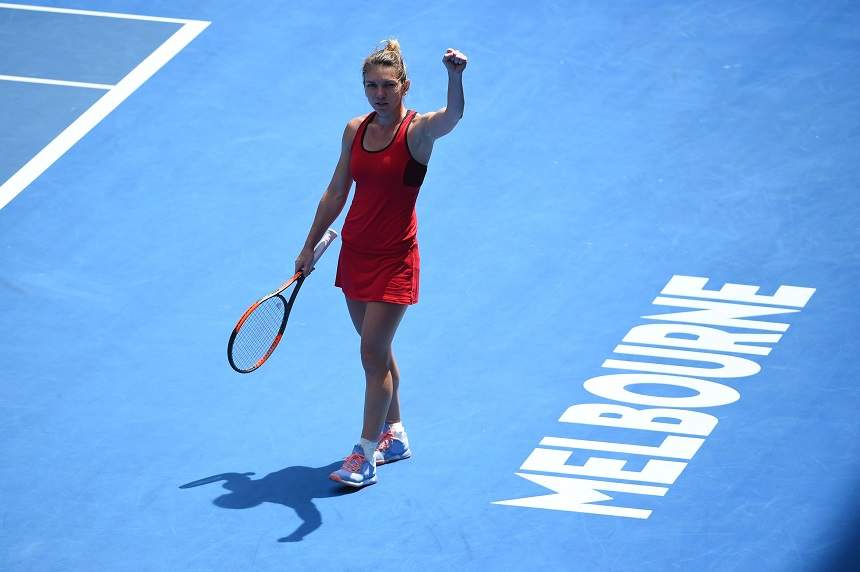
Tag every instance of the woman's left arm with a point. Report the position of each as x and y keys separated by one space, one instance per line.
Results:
x=442 y=122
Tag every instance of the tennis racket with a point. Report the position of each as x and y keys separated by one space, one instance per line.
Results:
x=261 y=327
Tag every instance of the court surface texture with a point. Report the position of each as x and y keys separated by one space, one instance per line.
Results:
x=638 y=307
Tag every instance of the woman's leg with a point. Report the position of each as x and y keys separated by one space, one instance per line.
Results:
x=357 y=310
x=377 y=332
x=393 y=415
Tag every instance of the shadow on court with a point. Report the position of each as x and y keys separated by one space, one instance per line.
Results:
x=294 y=487
x=844 y=552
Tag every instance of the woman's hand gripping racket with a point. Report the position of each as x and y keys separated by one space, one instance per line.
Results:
x=261 y=327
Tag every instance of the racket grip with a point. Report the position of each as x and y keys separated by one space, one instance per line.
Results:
x=324 y=242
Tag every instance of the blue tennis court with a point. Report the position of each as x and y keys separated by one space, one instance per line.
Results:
x=638 y=308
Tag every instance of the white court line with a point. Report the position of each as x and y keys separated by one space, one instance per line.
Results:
x=92 y=13
x=99 y=110
x=23 y=79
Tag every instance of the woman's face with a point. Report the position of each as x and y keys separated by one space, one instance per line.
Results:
x=382 y=88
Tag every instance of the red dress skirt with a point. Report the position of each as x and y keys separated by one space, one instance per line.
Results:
x=379 y=260
x=379 y=278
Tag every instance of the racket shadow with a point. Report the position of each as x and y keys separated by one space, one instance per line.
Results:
x=294 y=487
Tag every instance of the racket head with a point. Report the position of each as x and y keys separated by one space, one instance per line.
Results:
x=260 y=329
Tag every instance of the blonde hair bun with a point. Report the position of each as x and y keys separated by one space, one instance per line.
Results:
x=392 y=45
x=388 y=55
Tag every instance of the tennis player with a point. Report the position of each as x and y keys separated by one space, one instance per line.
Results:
x=386 y=153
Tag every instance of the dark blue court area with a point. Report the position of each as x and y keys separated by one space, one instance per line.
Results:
x=638 y=308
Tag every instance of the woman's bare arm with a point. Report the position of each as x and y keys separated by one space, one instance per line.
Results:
x=439 y=123
x=333 y=199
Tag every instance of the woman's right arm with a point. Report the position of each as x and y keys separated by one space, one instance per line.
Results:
x=332 y=202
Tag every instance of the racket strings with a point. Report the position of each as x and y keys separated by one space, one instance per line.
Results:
x=260 y=330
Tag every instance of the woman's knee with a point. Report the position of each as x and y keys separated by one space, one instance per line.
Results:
x=378 y=327
x=374 y=358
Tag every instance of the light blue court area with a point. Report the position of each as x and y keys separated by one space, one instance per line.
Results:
x=64 y=70
x=634 y=343
x=32 y=115
x=77 y=47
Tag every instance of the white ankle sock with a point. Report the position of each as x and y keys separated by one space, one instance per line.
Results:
x=368 y=447
x=396 y=428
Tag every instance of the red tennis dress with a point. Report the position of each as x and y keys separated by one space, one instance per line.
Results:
x=379 y=259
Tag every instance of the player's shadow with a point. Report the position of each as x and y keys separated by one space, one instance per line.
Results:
x=295 y=487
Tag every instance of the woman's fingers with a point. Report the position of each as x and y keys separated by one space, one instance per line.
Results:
x=304 y=263
x=454 y=57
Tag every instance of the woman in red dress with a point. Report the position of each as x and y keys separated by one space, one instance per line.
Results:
x=386 y=153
